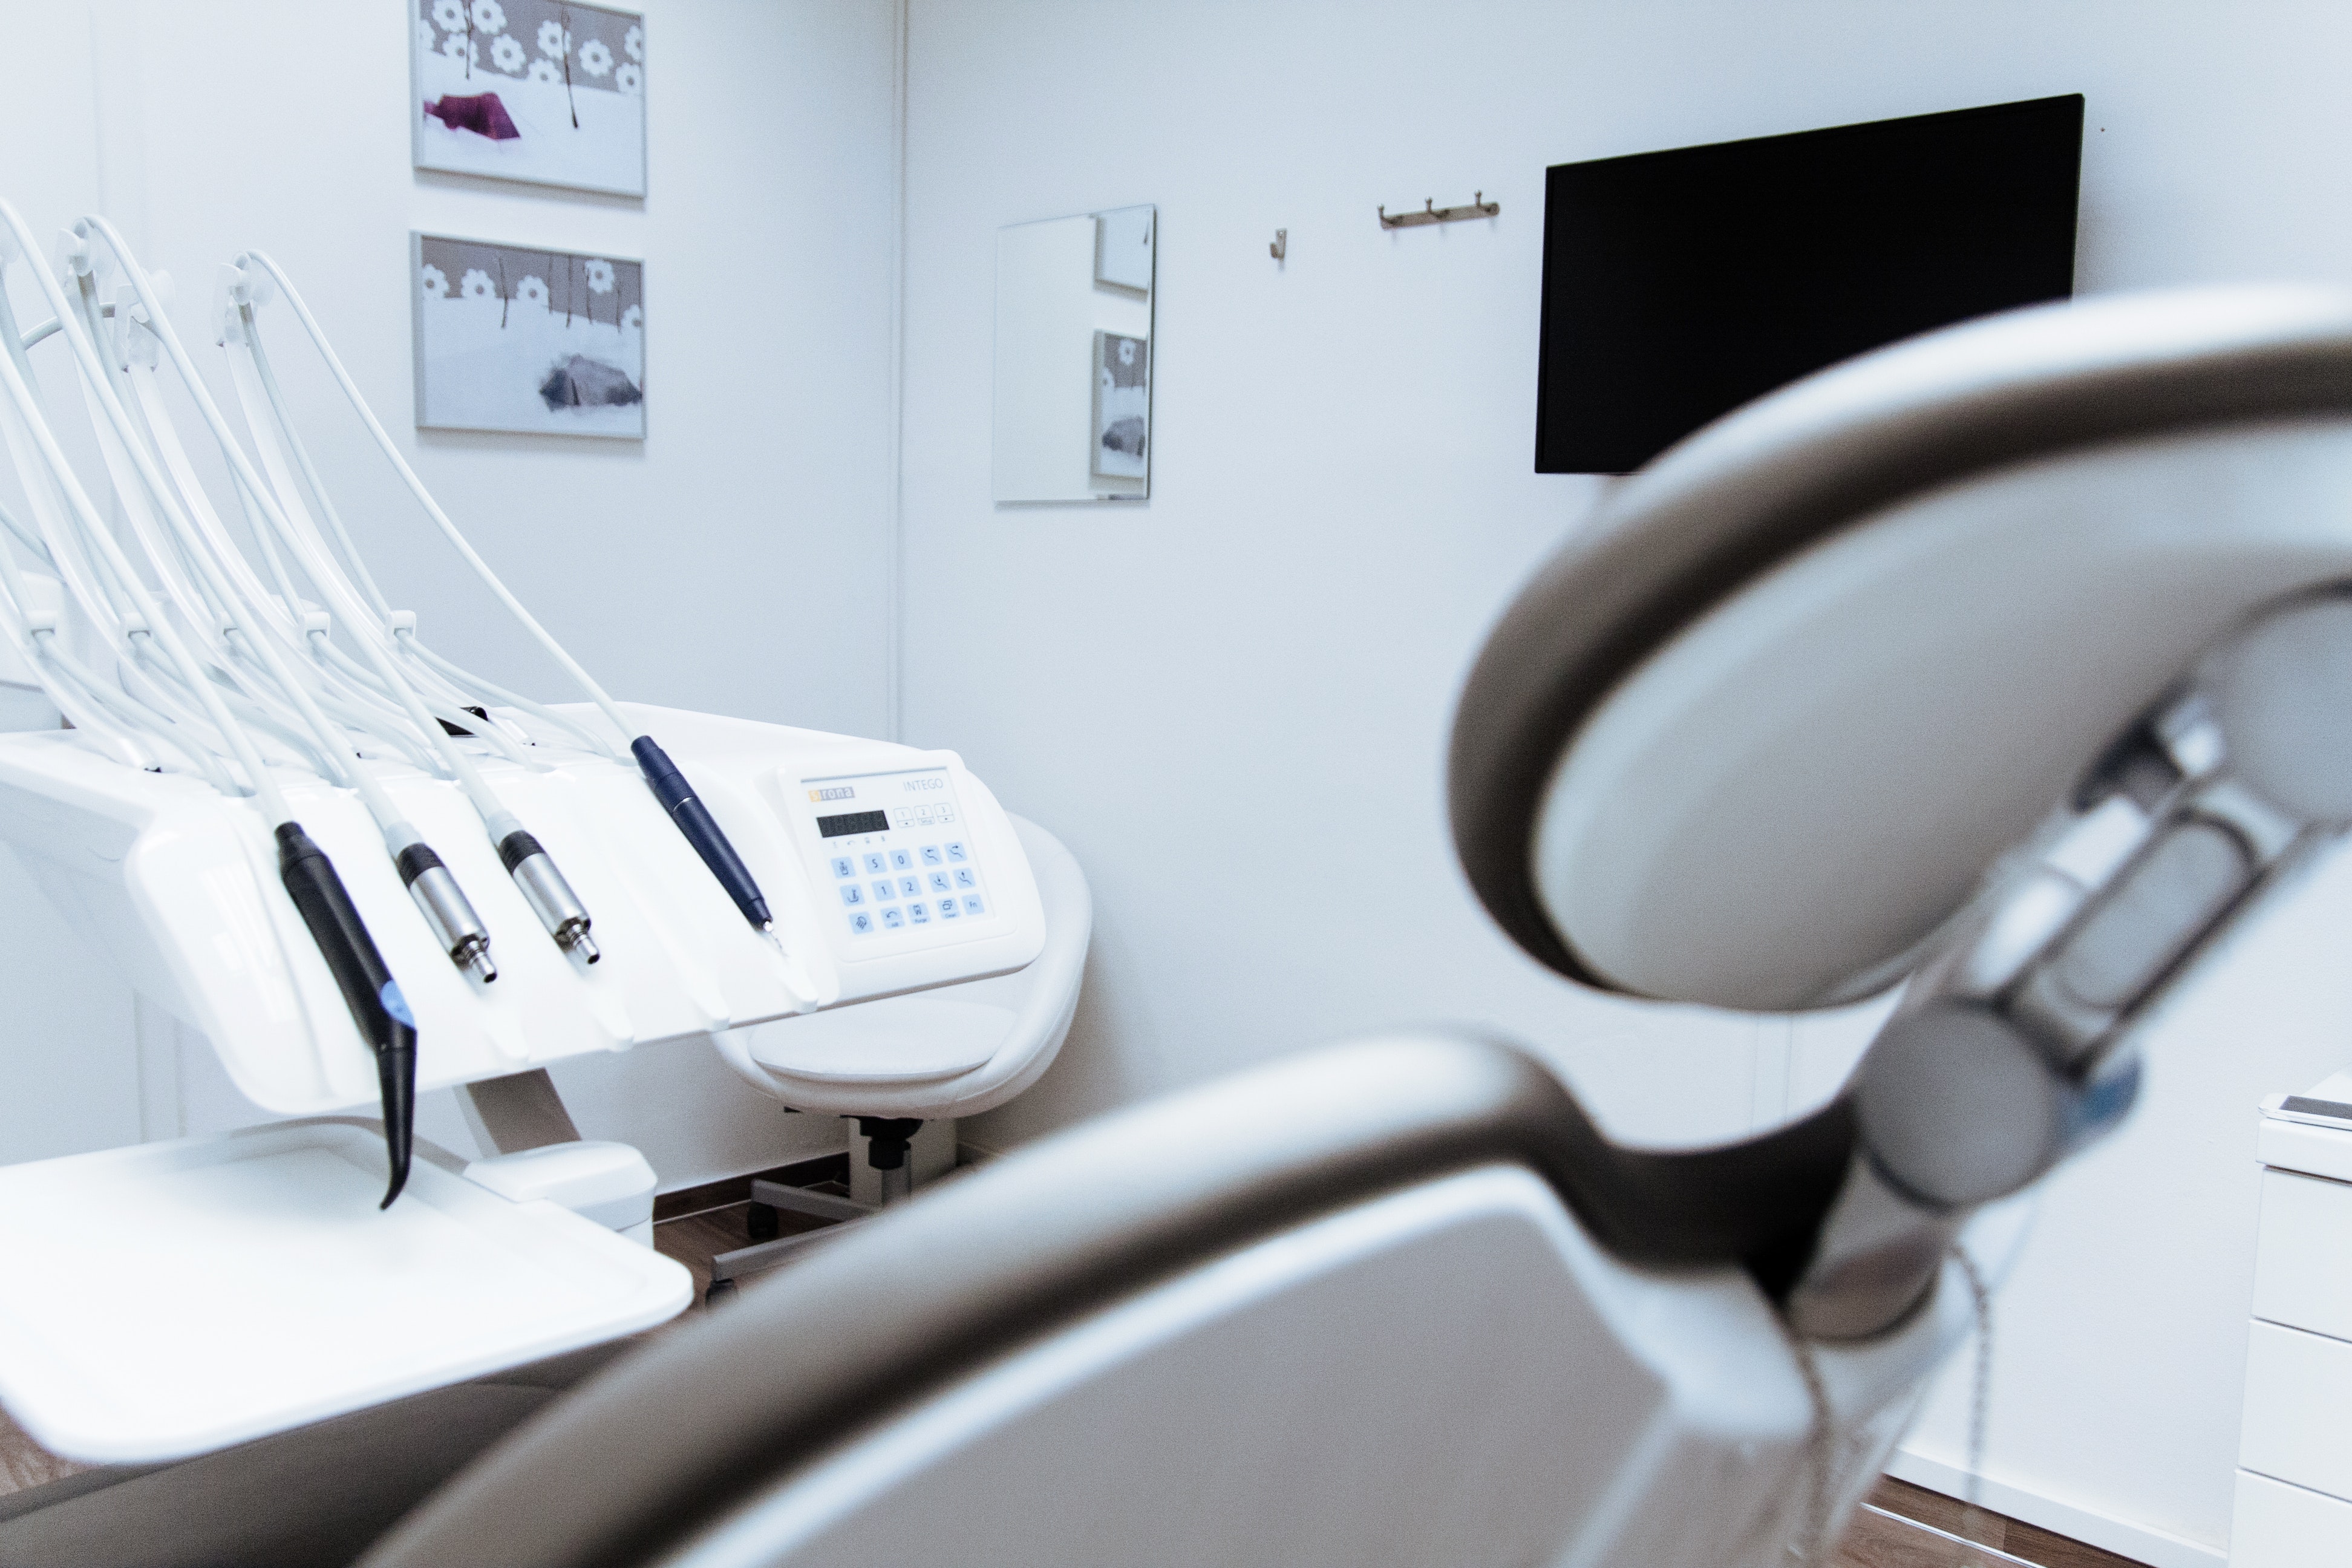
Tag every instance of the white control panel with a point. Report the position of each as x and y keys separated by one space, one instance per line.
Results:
x=902 y=865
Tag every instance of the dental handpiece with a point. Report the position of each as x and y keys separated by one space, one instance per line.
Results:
x=368 y=989
x=550 y=898
x=701 y=830
x=451 y=918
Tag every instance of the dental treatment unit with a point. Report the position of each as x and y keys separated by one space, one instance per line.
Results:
x=363 y=872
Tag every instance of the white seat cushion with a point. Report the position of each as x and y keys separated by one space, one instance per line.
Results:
x=900 y=1039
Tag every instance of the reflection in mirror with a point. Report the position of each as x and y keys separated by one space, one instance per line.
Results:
x=1073 y=356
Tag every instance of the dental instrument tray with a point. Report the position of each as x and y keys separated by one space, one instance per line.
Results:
x=177 y=884
x=290 y=1299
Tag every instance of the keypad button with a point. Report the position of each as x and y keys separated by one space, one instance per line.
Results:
x=900 y=860
x=964 y=878
x=862 y=923
x=891 y=919
x=972 y=905
x=930 y=853
x=884 y=892
x=955 y=850
x=938 y=882
x=908 y=887
x=851 y=893
x=844 y=867
x=875 y=863
x=919 y=913
x=947 y=910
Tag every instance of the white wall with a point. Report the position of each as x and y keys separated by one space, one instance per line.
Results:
x=737 y=561
x=1232 y=701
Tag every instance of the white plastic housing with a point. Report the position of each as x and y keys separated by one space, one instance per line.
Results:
x=180 y=886
x=291 y=1296
x=609 y=1183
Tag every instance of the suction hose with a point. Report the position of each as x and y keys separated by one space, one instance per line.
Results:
x=368 y=989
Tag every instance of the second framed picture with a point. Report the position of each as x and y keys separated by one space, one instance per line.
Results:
x=1122 y=406
x=538 y=91
x=549 y=342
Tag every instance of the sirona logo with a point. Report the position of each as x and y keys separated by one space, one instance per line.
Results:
x=838 y=791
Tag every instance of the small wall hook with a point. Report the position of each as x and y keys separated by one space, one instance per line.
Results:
x=1281 y=246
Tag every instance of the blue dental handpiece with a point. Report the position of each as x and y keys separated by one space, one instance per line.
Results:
x=701 y=830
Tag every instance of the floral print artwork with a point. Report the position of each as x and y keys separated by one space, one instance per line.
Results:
x=527 y=340
x=566 y=86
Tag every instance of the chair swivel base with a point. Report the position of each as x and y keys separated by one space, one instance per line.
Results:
x=770 y=1250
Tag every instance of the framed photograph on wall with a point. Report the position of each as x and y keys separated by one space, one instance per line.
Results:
x=536 y=342
x=1123 y=248
x=1122 y=406
x=541 y=90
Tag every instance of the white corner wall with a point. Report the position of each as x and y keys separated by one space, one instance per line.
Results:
x=1232 y=701
x=737 y=561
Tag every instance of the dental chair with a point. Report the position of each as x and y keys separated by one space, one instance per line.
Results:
x=1800 y=720
x=898 y=1063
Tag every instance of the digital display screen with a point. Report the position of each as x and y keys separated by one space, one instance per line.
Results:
x=853 y=822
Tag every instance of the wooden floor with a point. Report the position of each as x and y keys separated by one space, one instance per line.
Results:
x=695 y=1239
x=1902 y=1526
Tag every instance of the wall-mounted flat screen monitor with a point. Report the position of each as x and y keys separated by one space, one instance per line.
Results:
x=1679 y=285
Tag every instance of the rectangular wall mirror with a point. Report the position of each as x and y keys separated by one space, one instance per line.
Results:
x=1073 y=354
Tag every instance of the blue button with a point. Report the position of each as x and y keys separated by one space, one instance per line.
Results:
x=892 y=917
x=852 y=894
x=843 y=866
x=919 y=913
x=971 y=904
x=908 y=887
x=901 y=859
x=955 y=850
x=930 y=853
x=947 y=910
x=964 y=878
x=862 y=923
x=938 y=882
x=873 y=863
x=884 y=892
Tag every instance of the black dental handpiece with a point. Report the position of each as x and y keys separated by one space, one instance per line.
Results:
x=701 y=830
x=368 y=987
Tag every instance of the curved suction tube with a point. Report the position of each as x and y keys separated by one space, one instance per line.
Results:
x=368 y=989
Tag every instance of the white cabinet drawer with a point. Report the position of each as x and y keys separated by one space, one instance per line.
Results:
x=2280 y=1526
x=2303 y=1268
x=2298 y=1423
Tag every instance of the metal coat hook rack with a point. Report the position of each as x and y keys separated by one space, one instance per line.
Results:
x=1431 y=213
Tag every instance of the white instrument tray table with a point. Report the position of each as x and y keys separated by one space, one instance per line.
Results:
x=170 y=1299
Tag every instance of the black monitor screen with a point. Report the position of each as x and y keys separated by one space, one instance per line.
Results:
x=1677 y=286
